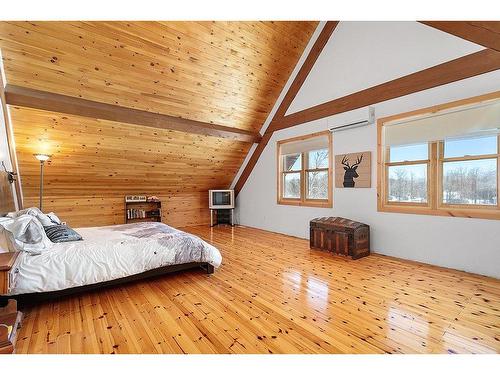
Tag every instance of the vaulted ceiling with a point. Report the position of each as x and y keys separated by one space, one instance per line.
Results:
x=227 y=73
x=223 y=73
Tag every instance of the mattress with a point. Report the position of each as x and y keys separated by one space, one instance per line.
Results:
x=108 y=253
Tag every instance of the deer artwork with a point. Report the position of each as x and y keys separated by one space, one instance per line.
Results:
x=350 y=171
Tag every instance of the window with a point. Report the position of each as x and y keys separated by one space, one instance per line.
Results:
x=407 y=168
x=442 y=160
x=304 y=170
x=292 y=169
x=469 y=170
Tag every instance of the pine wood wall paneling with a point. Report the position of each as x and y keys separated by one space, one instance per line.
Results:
x=178 y=210
x=225 y=78
x=96 y=163
x=227 y=73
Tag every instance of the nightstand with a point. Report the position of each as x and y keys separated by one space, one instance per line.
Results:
x=7 y=260
x=10 y=321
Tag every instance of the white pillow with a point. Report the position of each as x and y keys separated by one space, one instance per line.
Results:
x=5 y=238
x=53 y=217
x=34 y=211
x=27 y=234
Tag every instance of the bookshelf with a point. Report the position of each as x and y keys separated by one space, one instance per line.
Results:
x=142 y=211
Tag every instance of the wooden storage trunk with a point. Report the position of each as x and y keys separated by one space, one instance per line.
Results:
x=340 y=236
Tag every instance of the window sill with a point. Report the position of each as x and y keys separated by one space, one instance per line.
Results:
x=491 y=213
x=307 y=203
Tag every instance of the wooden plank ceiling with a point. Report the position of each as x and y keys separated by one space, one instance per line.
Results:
x=223 y=73
x=227 y=73
x=96 y=162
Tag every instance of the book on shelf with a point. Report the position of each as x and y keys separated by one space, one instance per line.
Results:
x=133 y=213
x=137 y=209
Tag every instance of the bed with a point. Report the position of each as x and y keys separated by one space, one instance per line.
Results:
x=108 y=253
x=108 y=256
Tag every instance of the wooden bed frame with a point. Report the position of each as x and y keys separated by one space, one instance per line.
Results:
x=32 y=298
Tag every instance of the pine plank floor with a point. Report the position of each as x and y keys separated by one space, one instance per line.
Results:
x=273 y=294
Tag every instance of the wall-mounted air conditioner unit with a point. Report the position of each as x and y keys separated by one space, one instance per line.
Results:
x=352 y=125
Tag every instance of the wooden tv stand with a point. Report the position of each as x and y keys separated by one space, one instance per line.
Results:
x=217 y=216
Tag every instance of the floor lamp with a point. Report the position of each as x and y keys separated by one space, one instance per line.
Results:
x=42 y=158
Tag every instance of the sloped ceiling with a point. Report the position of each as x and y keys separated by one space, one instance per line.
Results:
x=226 y=73
x=95 y=163
x=384 y=51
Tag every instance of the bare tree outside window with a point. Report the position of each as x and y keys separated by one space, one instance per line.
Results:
x=305 y=177
x=408 y=183
x=291 y=185
x=407 y=173
x=292 y=165
x=470 y=182
x=441 y=160
x=317 y=174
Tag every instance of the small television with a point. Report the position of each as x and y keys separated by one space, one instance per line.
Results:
x=220 y=199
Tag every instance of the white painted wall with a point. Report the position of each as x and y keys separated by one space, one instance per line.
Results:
x=467 y=244
x=4 y=148
x=365 y=54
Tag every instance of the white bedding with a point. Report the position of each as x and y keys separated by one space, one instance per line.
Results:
x=108 y=253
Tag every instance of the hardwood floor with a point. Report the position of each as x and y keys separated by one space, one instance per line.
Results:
x=273 y=294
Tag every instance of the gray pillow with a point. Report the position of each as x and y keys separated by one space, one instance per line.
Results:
x=61 y=233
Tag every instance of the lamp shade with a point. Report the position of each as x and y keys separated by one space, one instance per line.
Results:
x=42 y=157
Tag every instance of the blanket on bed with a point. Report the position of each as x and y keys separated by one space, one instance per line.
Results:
x=108 y=253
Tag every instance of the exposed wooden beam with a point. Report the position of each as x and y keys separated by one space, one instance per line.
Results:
x=464 y=67
x=294 y=88
x=484 y=33
x=251 y=162
x=306 y=67
x=26 y=97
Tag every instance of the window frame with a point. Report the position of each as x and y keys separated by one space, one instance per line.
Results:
x=435 y=204
x=388 y=164
x=303 y=200
x=442 y=160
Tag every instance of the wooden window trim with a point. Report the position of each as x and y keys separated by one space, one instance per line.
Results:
x=303 y=201
x=442 y=160
x=434 y=204
x=426 y=162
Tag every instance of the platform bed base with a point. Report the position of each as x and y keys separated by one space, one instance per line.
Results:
x=32 y=298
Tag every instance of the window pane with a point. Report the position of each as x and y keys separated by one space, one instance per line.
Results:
x=292 y=162
x=317 y=185
x=291 y=185
x=408 y=183
x=470 y=146
x=317 y=159
x=470 y=182
x=409 y=152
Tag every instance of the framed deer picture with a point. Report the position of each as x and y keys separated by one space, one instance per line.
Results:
x=353 y=170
